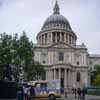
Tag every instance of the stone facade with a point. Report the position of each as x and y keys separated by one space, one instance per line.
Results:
x=57 y=49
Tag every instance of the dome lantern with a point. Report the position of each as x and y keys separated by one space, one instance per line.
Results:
x=56 y=8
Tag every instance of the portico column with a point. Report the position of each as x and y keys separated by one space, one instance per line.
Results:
x=40 y=40
x=65 y=78
x=54 y=73
x=56 y=37
x=68 y=78
x=59 y=73
x=71 y=77
x=68 y=38
x=47 y=74
x=71 y=40
x=60 y=36
x=51 y=37
x=65 y=37
x=51 y=72
x=44 y=38
x=47 y=39
x=60 y=76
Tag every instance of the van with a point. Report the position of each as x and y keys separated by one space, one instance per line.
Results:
x=47 y=89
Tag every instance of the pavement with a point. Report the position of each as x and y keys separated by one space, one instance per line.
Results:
x=87 y=97
x=70 y=97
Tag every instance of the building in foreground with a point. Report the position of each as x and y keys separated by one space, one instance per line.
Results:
x=57 y=49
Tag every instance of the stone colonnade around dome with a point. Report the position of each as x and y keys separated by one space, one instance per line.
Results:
x=55 y=37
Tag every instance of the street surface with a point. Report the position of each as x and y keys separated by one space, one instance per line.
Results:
x=70 y=97
x=87 y=97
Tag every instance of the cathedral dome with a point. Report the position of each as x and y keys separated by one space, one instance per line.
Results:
x=56 y=19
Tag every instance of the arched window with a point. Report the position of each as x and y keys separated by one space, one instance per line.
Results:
x=78 y=77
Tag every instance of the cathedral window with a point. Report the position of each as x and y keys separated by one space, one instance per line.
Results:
x=77 y=62
x=53 y=37
x=58 y=36
x=70 y=39
x=61 y=56
x=78 y=77
x=43 y=61
x=57 y=73
x=43 y=58
x=62 y=36
x=46 y=38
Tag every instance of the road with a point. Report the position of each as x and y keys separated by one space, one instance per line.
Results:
x=69 y=97
x=87 y=97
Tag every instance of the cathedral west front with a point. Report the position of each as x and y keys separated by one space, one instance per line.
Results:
x=56 y=48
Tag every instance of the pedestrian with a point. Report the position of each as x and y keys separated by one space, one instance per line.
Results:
x=25 y=90
x=83 y=93
x=20 y=94
x=32 y=93
x=65 y=93
x=75 y=92
x=79 y=93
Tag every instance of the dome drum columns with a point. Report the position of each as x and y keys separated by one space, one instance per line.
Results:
x=56 y=37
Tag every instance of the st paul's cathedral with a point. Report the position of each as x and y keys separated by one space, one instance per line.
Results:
x=56 y=48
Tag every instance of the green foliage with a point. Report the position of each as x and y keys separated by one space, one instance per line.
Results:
x=94 y=74
x=97 y=69
x=25 y=51
x=97 y=80
x=5 y=45
x=19 y=54
x=36 y=71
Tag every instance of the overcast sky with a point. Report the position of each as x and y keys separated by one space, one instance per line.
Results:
x=29 y=16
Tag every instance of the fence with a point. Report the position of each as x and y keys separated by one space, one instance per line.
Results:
x=8 y=90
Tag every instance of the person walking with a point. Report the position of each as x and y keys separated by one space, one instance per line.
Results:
x=25 y=89
x=79 y=93
x=32 y=93
x=75 y=92
x=83 y=94
x=20 y=94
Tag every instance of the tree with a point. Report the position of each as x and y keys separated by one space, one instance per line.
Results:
x=25 y=52
x=32 y=70
x=97 y=80
x=94 y=73
x=36 y=71
x=5 y=45
x=5 y=54
x=18 y=53
x=97 y=69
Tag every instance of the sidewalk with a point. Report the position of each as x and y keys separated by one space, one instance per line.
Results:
x=92 y=97
x=69 y=97
x=87 y=97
